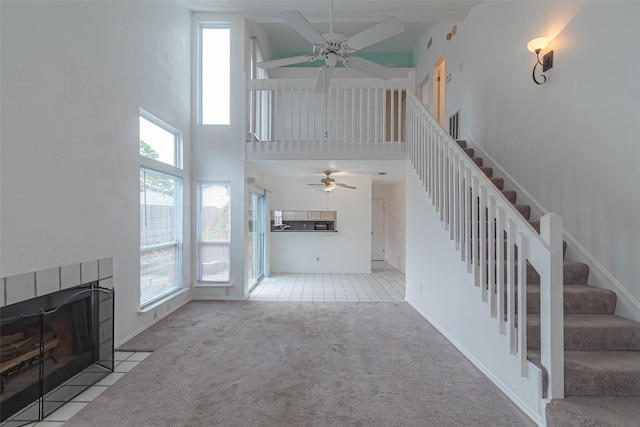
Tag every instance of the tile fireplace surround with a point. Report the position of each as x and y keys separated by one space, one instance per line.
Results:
x=75 y=328
x=30 y=285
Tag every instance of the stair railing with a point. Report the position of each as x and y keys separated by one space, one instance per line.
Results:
x=495 y=241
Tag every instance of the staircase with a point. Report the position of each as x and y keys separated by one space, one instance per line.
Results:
x=602 y=350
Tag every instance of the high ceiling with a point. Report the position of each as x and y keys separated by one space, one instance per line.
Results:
x=349 y=17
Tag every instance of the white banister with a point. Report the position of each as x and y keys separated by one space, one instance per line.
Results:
x=287 y=120
x=551 y=307
x=497 y=244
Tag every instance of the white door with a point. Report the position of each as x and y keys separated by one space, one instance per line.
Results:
x=377 y=230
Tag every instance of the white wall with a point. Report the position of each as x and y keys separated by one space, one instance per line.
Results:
x=440 y=288
x=425 y=58
x=346 y=251
x=218 y=155
x=569 y=142
x=74 y=75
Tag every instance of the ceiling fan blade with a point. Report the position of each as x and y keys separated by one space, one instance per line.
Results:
x=345 y=186
x=385 y=29
x=301 y=25
x=324 y=77
x=370 y=67
x=283 y=62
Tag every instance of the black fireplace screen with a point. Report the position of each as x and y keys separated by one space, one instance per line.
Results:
x=52 y=348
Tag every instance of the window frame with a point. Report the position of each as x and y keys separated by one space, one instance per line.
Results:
x=260 y=119
x=178 y=142
x=177 y=243
x=202 y=25
x=259 y=233
x=175 y=172
x=199 y=227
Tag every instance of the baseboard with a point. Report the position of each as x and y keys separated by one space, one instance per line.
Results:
x=178 y=304
x=628 y=306
x=538 y=418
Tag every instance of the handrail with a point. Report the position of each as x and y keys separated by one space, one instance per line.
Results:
x=495 y=241
x=497 y=244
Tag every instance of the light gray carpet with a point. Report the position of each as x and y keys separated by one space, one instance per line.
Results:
x=299 y=364
x=594 y=411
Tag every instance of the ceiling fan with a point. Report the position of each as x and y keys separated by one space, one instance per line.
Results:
x=333 y=48
x=328 y=183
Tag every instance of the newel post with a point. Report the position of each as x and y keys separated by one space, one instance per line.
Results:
x=551 y=307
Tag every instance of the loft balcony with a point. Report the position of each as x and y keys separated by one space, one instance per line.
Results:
x=358 y=119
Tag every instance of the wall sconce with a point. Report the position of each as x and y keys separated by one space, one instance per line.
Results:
x=536 y=45
x=452 y=33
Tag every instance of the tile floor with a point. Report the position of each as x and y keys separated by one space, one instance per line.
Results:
x=124 y=361
x=385 y=283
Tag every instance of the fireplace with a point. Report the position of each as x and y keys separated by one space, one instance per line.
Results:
x=52 y=348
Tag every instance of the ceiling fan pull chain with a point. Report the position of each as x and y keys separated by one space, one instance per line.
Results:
x=326 y=114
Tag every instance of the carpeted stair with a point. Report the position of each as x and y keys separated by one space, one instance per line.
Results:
x=602 y=350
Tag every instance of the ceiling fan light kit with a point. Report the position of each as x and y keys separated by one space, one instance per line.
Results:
x=328 y=184
x=334 y=48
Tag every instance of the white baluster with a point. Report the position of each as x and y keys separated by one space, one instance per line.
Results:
x=551 y=307
x=523 y=253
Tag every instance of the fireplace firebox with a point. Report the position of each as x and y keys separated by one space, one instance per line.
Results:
x=52 y=348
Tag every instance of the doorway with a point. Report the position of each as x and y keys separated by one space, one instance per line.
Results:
x=424 y=92
x=377 y=230
x=438 y=90
x=256 y=240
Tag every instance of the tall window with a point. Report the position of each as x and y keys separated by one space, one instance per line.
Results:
x=160 y=209
x=159 y=141
x=256 y=58
x=214 y=231
x=215 y=72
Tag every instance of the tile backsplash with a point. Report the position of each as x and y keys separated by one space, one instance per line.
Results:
x=22 y=287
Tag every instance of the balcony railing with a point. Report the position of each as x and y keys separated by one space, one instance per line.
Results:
x=354 y=115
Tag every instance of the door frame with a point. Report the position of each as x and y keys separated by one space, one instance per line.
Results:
x=259 y=232
x=380 y=203
x=438 y=101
